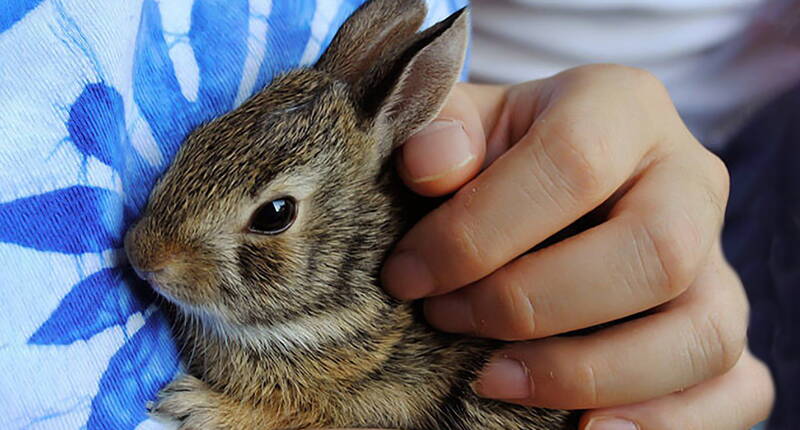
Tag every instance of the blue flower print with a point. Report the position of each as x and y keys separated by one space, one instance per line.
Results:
x=95 y=99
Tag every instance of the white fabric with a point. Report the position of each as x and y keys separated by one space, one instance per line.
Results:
x=720 y=59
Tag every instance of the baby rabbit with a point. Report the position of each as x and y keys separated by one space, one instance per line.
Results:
x=267 y=234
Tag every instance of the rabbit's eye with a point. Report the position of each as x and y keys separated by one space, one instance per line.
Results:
x=274 y=217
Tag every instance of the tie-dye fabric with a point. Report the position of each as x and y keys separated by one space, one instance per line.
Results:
x=95 y=98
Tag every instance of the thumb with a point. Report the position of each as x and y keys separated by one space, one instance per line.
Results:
x=447 y=153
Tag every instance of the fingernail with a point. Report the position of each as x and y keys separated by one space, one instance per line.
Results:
x=608 y=423
x=452 y=313
x=504 y=379
x=440 y=148
x=407 y=277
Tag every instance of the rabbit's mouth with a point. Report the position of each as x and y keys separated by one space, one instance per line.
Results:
x=185 y=306
x=150 y=276
x=160 y=283
x=156 y=279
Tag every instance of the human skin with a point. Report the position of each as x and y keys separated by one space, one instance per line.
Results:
x=527 y=160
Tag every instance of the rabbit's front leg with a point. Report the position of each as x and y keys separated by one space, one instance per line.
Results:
x=191 y=402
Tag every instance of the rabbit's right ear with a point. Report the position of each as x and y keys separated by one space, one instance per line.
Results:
x=398 y=78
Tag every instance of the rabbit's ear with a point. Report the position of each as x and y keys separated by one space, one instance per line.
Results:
x=424 y=77
x=399 y=78
x=373 y=37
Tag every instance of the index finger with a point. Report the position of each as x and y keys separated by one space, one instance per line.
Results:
x=577 y=152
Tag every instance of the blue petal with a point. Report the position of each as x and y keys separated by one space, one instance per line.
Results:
x=218 y=37
x=134 y=375
x=92 y=305
x=138 y=178
x=97 y=123
x=96 y=126
x=70 y=220
x=155 y=87
x=12 y=11
x=288 y=31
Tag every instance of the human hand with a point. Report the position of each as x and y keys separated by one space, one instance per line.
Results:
x=601 y=139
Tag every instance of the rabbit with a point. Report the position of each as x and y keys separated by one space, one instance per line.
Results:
x=266 y=234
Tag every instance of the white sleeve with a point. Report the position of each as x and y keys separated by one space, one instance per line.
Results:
x=720 y=59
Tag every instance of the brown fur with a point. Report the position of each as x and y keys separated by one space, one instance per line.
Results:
x=293 y=330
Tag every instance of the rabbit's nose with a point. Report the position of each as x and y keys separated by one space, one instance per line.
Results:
x=145 y=256
x=135 y=251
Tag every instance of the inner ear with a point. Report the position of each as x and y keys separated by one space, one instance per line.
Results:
x=411 y=96
x=377 y=89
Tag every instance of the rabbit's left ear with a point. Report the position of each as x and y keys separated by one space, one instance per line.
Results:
x=399 y=79
x=424 y=77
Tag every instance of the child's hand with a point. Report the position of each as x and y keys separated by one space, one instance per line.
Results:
x=554 y=150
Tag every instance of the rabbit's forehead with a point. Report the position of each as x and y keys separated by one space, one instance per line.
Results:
x=226 y=166
x=293 y=91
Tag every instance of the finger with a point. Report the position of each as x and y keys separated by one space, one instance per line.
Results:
x=646 y=254
x=736 y=400
x=561 y=169
x=449 y=151
x=697 y=336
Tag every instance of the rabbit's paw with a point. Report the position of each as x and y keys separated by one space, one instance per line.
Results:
x=190 y=401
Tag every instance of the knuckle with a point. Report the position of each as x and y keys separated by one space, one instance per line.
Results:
x=517 y=310
x=720 y=180
x=733 y=341
x=742 y=321
x=672 y=246
x=574 y=160
x=739 y=310
x=720 y=345
x=718 y=169
x=587 y=387
x=459 y=229
x=641 y=81
x=636 y=79
x=645 y=81
x=764 y=383
x=465 y=249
